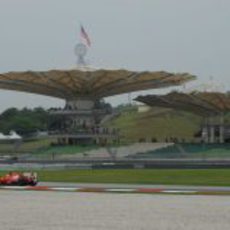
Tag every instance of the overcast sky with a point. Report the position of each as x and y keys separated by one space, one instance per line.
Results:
x=171 y=35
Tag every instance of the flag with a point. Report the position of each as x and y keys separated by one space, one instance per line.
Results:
x=85 y=37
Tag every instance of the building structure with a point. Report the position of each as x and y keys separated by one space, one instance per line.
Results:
x=83 y=90
x=211 y=106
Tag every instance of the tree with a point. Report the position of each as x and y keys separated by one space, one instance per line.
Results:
x=25 y=121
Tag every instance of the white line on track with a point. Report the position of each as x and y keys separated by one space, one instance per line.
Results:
x=179 y=191
x=13 y=187
x=65 y=189
x=120 y=190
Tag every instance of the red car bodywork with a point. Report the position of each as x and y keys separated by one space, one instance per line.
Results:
x=18 y=178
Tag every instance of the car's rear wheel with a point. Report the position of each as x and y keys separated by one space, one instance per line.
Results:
x=33 y=183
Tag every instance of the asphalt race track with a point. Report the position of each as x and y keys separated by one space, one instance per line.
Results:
x=26 y=210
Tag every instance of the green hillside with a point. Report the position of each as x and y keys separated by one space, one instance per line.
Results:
x=156 y=124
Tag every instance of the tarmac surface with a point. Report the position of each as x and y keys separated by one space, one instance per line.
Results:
x=26 y=210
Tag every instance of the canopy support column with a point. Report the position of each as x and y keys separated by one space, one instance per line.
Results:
x=221 y=129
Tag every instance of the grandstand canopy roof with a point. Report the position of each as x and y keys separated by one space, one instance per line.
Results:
x=201 y=103
x=67 y=84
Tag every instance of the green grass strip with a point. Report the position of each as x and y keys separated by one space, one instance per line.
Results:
x=212 y=177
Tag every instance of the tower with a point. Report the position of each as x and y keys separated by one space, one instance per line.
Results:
x=80 y=51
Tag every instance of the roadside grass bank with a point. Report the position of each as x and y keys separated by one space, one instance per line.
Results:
x=202 y=177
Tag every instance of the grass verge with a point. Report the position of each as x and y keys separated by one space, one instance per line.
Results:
x=211 y=177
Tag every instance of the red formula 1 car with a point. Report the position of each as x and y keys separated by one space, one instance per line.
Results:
x=18 y=178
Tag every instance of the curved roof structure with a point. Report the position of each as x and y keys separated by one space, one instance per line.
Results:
x=67 y=84
x=201 y=103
